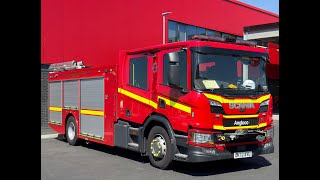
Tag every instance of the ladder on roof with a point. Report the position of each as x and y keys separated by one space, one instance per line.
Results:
x=63 y=66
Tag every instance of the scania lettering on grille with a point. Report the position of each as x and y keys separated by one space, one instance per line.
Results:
x=241 y=123
x=241 y=105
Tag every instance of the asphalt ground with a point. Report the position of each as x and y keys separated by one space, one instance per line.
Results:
x=59 y=160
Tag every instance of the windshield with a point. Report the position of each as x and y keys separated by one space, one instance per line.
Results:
x=229 y=70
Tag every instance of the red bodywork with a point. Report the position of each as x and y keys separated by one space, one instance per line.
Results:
x=116 y=79
x=94 y=31
x=273 y=67
x=273 y=73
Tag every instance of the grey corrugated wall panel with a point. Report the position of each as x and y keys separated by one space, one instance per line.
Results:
x=93 y=125
x=70 y=93
x=44 y=100
x=55 y=94
x=92 y=96
x=55 y=116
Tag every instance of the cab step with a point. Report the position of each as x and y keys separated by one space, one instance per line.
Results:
x=133 y=131
x=133 y=145
x=181 y=156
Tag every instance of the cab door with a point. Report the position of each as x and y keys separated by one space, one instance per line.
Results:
x=172 y=101
x=135 y=93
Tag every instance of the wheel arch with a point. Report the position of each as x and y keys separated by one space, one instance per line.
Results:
x=156 y=119
x=160 y=120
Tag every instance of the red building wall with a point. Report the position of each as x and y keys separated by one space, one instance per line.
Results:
x=95 y=30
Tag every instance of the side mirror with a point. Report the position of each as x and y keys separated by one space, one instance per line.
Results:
x=174 y=69
x=266 y=59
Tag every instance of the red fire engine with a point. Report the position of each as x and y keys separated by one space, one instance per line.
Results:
x=200 y=100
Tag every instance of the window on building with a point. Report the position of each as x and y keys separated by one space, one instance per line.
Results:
x=191 y=30
x=213 y=33
x=201 y=31
x=217 y=34
x=182 y=30
x=261 y=43
x=239 y=38
x=209 y=32
x=183 y=69
x=172 y=31
x=139 y=72
x=226 y=35
x=255 y=41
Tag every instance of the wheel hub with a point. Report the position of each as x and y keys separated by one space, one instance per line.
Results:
x=71 y=131
x=158 y=147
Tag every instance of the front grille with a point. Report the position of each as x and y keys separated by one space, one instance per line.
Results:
x=231 y=122
x=245 y=138
x=216 y=109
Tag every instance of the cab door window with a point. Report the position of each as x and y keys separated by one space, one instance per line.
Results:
x=139 y=72
x=183 y=69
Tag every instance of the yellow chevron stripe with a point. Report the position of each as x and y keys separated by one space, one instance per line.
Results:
x=53 y=108
x=153 y=104
x=240 y=116
x=224 y=100
x=55 y=123
x=138 y=98
x=92 y=137
x=240 y=127
x=92 y=112
x=176 y=105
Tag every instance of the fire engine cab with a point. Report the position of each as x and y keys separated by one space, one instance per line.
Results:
x=200 y=100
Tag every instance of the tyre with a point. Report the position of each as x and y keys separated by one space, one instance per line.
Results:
x=159 y=148
x=71 y=131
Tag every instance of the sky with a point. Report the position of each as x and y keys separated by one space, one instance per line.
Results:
x=269 y=5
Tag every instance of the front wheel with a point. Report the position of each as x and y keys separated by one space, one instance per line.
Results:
x=71 y=131
x=159 y=148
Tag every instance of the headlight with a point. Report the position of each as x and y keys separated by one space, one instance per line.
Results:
x=265 y=103
x=201 y=138
x=214 y=103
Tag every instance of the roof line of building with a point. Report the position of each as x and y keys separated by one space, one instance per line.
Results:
x=159 y=47
x=259 y=26
x=253 y=7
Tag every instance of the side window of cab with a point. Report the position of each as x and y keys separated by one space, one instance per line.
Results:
x=183 y=69
x=139 y=72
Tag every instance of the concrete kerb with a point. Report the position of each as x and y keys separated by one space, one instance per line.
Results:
x=49 y=136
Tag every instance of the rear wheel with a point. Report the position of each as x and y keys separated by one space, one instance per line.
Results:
x=71 y=131
x=159 y=148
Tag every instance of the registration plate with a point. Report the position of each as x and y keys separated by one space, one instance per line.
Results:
x=245 y=154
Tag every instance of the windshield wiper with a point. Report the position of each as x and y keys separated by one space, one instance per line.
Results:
x=217 y=89
x=205 y=89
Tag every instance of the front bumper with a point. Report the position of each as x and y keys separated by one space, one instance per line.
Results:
x=201 y=154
